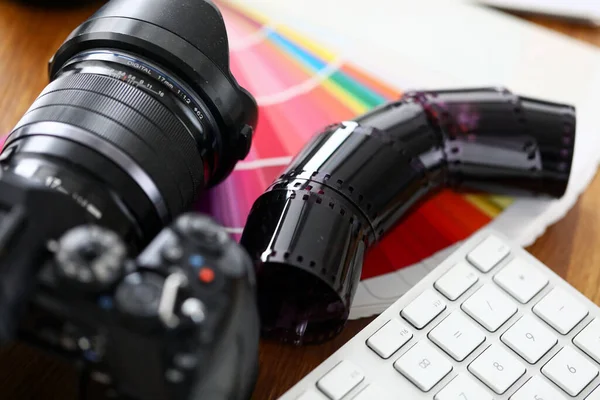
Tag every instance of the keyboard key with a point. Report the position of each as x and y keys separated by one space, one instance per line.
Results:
x=457 y=281
x=537 y=389
x=424 y=309
x=530 y=338
x=497 y=368
x=373 y=392
x=423 y=365
x=457 y=335
x=344 y=377
x=560 y=310
x=595 y=395
x=463 y=387
x=310 y=395
x=570 y=370
x=521 y=280
x=588 y=340
x=490 y=307
x=387 y=340
x=488 y=253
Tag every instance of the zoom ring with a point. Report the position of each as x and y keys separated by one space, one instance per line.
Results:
x=147 y=157
x=134 y=122
x=174 y=133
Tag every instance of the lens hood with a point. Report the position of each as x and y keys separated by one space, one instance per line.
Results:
x=189 y=39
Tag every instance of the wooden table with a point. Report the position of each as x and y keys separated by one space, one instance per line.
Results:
x=29 y=36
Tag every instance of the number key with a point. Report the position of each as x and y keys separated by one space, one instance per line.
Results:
x=463 y=387
x=497 y=368
x=530 y=338
x=570 y=371
x=537 y=389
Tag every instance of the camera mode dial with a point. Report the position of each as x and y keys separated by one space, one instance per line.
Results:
x=205 y=235
x=90 y=258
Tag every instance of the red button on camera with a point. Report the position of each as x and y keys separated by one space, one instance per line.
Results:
x=206 y=275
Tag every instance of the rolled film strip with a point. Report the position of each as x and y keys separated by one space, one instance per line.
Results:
x=353 y=183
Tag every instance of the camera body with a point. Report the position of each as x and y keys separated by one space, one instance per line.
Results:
x=99 y=261
x=179 y=321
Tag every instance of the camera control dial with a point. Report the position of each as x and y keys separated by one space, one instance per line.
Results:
x=90 y=258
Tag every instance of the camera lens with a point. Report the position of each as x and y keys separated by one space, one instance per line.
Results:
x=142 y=114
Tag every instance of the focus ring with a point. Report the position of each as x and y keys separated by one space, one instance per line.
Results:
x=129 y=119
x=173 y=129
x=148 y=159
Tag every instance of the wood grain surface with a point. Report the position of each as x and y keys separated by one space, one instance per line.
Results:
x=28 y=38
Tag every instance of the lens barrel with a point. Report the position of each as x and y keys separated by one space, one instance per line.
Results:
x=187 y=38
x=145 y=85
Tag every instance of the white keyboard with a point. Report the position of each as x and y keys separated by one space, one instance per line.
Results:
x=491 y=322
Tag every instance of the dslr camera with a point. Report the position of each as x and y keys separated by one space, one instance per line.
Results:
x=99 y=260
